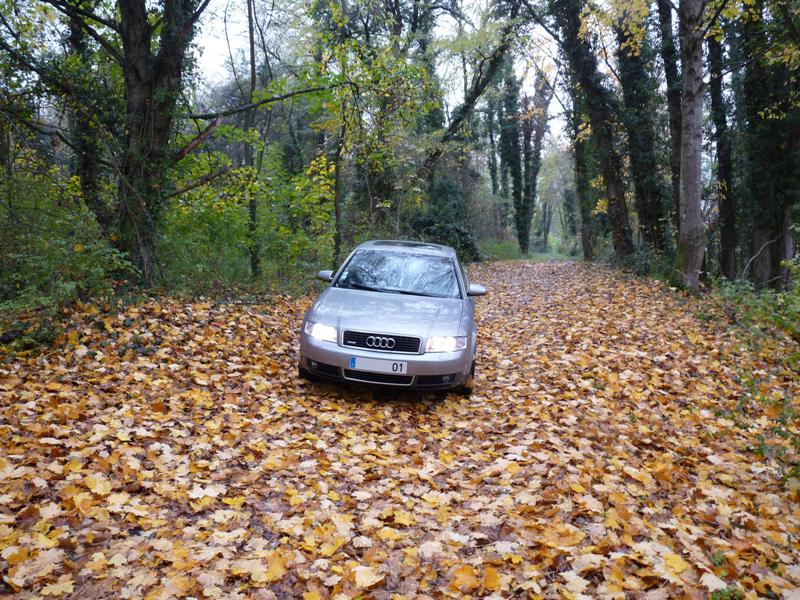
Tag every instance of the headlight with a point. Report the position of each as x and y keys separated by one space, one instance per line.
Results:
x=446 y=344
x=324 y=333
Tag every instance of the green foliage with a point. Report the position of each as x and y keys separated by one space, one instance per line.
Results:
x=504 y=249
x=765 y=313
x=205 y=241
x=449 y=234
x=731 y=592
x=53 y=252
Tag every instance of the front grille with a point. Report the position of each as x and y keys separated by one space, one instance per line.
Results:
x=378 y=377
x=435 y=379
x=402 y=343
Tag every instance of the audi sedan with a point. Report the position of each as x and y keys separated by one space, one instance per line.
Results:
x=397 y=314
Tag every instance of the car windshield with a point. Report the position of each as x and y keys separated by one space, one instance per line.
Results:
x=401 y=273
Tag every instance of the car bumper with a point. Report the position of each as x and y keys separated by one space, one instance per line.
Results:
x=433 y=370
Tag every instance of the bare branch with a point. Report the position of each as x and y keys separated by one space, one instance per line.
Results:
x=270 y=100
x=202 y=181
x=73 y=10
x=199 y=139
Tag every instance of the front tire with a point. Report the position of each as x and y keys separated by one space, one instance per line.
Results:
x=467 y=387
x=304 y=373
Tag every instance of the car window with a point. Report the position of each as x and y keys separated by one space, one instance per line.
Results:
x=401 y=273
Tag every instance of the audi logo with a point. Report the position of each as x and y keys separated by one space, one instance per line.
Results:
x=385 y=343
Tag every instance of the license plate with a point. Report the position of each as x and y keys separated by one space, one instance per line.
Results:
x=375 y=365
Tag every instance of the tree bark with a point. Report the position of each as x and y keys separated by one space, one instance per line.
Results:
x=580 y=151
x=249 y=158
x=772 y=146
x=725 y=198
x=691 y=234
x=85 y=138
x=534 y=123
x=670 y=58
x=598 y=102
x=490 y=130
x=510 y=136
x=152 y=88
x=637 y=91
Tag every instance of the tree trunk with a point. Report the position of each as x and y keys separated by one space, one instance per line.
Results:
x=773 y=152
x=152 y=88
x=691 y=234
x=637 y=91
x=501 y=118
x=598 y=101
x=510 y=133
x=670 y=58
x=492 y=159
x=580 y=151
x=534 y=123
x=85 y=138
x=727 y=203
x=249 y=162
x=337 y=199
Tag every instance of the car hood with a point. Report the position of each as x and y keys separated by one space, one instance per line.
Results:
x=382 y=312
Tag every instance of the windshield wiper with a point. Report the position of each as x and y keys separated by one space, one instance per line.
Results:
x=412 y=293
x=361 y=286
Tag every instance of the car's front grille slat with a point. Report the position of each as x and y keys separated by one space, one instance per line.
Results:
x=385 y=342
x=378 y=377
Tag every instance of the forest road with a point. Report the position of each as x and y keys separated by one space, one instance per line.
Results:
x=169 y=450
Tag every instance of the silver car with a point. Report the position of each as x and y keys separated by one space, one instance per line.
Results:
x=397 y=314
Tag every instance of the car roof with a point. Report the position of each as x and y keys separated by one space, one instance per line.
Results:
x=409 y=246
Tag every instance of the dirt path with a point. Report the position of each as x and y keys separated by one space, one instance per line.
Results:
x=170 y=451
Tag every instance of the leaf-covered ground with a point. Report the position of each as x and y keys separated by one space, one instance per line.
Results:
x=170 y=451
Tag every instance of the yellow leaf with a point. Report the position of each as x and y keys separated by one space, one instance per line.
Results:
x=491 y=579
x=464 y=579
x=98 y=484
x=332 y=495
x=276 y=566
x=403 y=517
x=387 y=533
x=676 y=563
x=234 y=501
x=63 y=586
x=330 y=548
x=367 y=577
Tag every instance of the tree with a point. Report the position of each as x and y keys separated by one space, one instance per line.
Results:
x=490 y=133
x=669 y=57
x=510 y=148
x=772 y=137
x=153 y=59
x=599 y=108
x=691 y=232
x=724 y=180
x=534 y=122
x=249 y=158
x=637 y=92
x=583 y=155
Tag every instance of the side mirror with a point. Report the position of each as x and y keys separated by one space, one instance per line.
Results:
x=326 y=275
x=476 y=289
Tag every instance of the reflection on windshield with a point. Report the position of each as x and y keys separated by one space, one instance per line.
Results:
x=401 y=273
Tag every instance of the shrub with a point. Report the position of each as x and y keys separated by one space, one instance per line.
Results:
x=53 y=252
